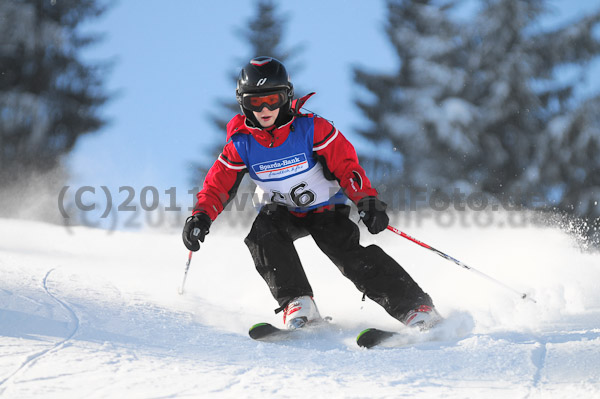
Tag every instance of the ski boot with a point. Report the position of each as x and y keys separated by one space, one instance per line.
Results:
x=423 y=317
x=299 y=312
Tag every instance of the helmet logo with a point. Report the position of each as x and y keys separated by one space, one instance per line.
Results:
x=261 y=82
x=260 y=61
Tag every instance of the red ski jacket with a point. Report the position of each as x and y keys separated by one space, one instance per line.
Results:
x=336 y=154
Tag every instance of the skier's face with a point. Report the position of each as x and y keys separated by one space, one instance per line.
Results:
x=266 y=117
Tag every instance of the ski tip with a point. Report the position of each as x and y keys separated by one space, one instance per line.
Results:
x=258 y=325
x=362 y=333
x=365 y=338
x=264 y=331
x=371 y=337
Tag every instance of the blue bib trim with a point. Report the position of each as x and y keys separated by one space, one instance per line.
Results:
x=289 y=174
x=276 y=163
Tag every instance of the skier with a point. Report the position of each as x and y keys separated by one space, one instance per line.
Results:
x=307 y=170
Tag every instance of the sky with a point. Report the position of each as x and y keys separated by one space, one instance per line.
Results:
x=172 y=67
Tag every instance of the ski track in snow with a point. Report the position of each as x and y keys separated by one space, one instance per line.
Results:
x=107 y=322
x=31 y=360
x=538 y=358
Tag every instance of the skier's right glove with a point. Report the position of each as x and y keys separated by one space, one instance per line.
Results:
x=196 y=228
x=372 y=213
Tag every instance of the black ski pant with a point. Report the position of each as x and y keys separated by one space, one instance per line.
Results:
x=373 y=272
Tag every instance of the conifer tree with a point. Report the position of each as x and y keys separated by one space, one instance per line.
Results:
x=49 y=97
x=411 y=106
x=264 y=33
x=478 y=104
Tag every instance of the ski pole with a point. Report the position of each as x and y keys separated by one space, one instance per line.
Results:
x=187 y=267
x=459 y=263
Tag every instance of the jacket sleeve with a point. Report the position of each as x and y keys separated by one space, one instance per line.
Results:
x=339 y=158
x=221 y=183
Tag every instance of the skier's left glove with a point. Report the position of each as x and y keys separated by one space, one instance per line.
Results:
x=196 y=228
x=372 y=213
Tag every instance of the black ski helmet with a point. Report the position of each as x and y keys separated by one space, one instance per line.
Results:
x=265 y=75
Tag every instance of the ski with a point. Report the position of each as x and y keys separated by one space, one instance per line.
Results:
x=268 y=332
x=408 y=336
x=373 y=336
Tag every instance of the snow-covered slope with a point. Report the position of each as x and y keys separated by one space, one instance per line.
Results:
x=88 y=313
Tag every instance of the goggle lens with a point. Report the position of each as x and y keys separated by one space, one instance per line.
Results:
x=257 y=103
x=271 y=99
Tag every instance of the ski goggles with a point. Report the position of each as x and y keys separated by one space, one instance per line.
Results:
x=256 y=102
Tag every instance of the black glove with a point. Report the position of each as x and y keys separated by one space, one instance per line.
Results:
x=196 y=228
x=372 y=213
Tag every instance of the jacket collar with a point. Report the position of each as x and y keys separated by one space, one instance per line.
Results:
x=238 y=125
